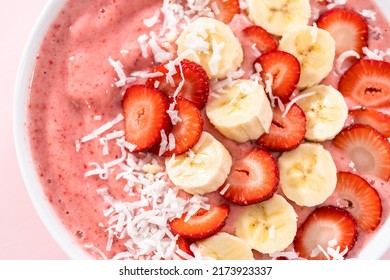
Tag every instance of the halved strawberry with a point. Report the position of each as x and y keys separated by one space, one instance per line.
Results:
x=225 y=9
x=259 y=36
x=348 y=28
x=376 y=119
x=252 y=179
x=203 y=224
x=283 y=69
x=285 y=133
x=367 y=83
x=358 y=197
x=325 y=229
x=196 y=85
x=184 y=245
x=189 y=128
x=367 y=148
x=145 y=112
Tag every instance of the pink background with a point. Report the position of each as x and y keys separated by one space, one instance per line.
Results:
x=22 y=233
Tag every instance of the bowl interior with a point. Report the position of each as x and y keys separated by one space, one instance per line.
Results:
x=375 y=249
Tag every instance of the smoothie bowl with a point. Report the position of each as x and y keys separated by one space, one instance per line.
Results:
x=209 y=129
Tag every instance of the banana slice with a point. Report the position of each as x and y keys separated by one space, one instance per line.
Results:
x=308 y=174
x=224 y=246
x=326 y=112
x=269 y=226
x=315 y=50
x=279 y=16
x=242 y=112
x=201 y=170
x=212 y=44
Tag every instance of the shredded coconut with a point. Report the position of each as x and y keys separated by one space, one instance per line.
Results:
x=375 y=54
x=369 y=14
x=118 y=67
x=342 y=58
x=225 y=188
x=150 y=22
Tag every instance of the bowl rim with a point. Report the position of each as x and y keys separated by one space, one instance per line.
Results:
x=373 y=249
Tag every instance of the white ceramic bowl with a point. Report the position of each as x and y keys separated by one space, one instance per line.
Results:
x=375 y=249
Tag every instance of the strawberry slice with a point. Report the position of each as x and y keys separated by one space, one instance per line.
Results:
x=360 y=199
x=184 y=245
x=367 y=83
x=188 y=130
x=377 y=120
x=367 y=148
x=252 y=179
x=348 y=28
x=196 y=85
x=145 y=112
x=263 y=40
x=326 y=229
x=225 y=10
x=283 y=70
x=285 y=133
x=203 y=224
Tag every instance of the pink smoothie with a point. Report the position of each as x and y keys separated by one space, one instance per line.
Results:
x=88 y=175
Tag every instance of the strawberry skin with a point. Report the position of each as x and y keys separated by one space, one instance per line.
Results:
x=324 y=226
x=284 y=69
x=348 y=28
x=285 y=133
x=252 y=179
x=360 y=199
x=203 y=224
x=145 y=112
x=187 y=131
x=367 y=148
x=227 y=9
x=376 y=119
x=196 y=85
x=184 y=245
x=263 y=40
x=367 y=83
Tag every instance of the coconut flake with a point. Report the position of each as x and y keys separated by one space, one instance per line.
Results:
x=314 y=33
x=289 y=255
x=375 y=55
x=292 y=102
x=225 y=188
x=142 y=39
x=95 y=134
x=118 y=67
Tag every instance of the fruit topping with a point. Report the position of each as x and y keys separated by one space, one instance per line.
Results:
x=328 y=233
x=282 y=70
x=362 y=200
x=367 y=83
x=145 y=112
x=264 y=41
x=252 y=179
x=347 y=27
x=202 y=224
x=285 y=133
x=367 y=148
x=186 y=79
